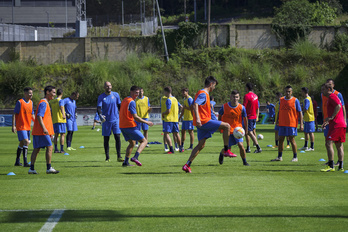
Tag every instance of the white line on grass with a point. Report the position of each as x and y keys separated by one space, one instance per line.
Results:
x=52 y=220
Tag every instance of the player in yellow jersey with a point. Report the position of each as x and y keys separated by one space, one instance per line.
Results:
x=59 y=121
x=187 y=123
x=143 y=109
x=309 y=120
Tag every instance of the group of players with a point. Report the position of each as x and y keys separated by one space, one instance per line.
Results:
x=131 y=115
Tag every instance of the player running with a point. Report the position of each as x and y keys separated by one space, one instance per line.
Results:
x=59 y=121
x=309 y=120
x=71 y=115
x=43 y=130
x=202 y=119
x=143 y=109
x=108 y=105
x=234 y=113
x=187 y=123
x=96 y=120
x=130 y=131
x=21 y=121
x=287 y=120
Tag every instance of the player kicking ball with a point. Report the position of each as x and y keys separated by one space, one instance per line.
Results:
x=129 y=129
x=202 y=119
x=233 y=113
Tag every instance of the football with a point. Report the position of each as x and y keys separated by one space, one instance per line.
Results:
x=259 y=136
x=238 y=132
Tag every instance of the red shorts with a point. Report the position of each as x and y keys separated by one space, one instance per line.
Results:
x=338 y=135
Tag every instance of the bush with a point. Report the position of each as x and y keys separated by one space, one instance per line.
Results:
x=323 y=14
x=306 y=50
x=340 y=42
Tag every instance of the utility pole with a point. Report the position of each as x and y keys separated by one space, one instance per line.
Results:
x=195 y=9
x=164 y=38
x=205 y=10
x=208 y=29
x=122 y=14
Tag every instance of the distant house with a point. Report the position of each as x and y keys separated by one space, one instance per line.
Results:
x=57 y=13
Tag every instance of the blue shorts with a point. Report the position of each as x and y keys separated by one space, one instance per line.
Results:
x=206 y=130
x=326 y=130
x=233 y=141
x=23 y=135
x=170 y=127
x=132 y=133
x=276 y=127
x=143 y=126
x=251 y=124
x=41 y=141
x=187 y=125
x=96 y=117
x=107 y=127
x=309 y=127
x=59 y=128
x=287 y=131
x=71 y=125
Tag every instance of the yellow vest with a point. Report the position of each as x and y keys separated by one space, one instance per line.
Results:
x=57 y=116
x=276 y=110
x=173 y=116
x=309 y=114
x=142 y=107
x=187 y=113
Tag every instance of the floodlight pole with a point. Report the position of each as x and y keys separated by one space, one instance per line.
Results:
x=164 y=38
x=208 y=29
x=122 y=14
x=195 y=9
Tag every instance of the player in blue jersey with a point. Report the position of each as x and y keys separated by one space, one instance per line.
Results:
x=71 y=115
x=96 y=120
x=108 y=107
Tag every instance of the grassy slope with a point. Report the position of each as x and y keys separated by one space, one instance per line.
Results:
x=160 y=197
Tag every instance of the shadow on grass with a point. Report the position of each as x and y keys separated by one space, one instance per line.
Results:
x=113 y=215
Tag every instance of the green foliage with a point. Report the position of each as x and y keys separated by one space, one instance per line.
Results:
x=323 y=14
x=306 y=50
x=340 y=42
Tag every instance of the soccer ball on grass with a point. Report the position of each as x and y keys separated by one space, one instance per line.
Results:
x=259 y=136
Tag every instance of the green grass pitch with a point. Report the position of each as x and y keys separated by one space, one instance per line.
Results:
x=159 y=196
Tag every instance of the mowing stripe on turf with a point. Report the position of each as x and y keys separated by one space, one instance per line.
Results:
x=52 y=220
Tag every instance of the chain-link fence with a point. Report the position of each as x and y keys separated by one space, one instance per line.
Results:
x=10 y=32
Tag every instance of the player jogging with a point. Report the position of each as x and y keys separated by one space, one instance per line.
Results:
x=143 y=109
x=96 y=120
x=59 y=121
x=233 y=113
x=130 y=131
x=108 y=105
x=287 y=120
x=337 y=129
x=202 y=114
x=42 y=131
x=71 y=115
x=309 y=120
x=251 y=104
x=187 y=123
x=21 y=121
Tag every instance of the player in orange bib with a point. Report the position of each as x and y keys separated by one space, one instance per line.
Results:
x=21 y=120
x=43 y=130
x=234 y=113
x=289 y=110
x=129 y=129
x=205 y=122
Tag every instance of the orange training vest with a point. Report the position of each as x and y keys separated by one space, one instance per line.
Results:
x=47 y=121
x=287 y=112
x=204 y=111
x=232 y=116
x=126 y=117
x=23 y=119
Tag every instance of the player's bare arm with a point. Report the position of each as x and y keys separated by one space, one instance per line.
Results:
x=45 y=131
x=195 y=110
x=139 y=119
x=14 y=129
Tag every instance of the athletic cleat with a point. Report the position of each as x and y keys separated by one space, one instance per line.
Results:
x=62 y=151
x=221 y=158
x=176 y=149
x=277 y=159
x=337 y=164
x=258 y=151
x=18 y=164
x=287 y=146
x=294 y=160
x=137 y=162
x=120 y=159
x=303 y=148
x=182 y=150
x=309 y=149
x=71 y=149
x=166 y=150
x=189 y=149
x=328 y=169
x=107 y=160
x=32 y=171
x=275 y=146
x=246 y=164
x=147 y=145
x=186 y=168
x=247 y=151
x=26 y=165
x=56 y=151
x=127 y=165
x=340 y=170
x=230 y=154
x=52 y=171
x=169 y=152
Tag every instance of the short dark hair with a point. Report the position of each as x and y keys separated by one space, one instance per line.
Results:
x=184 y=90
x=168 y=89
x=134 y=88
x=288 y=87
x=49 y=88
x=211 y=98
x=250 y=86
x=140 y=88
x=328 y=86
x=304 y=89
x=59 y=92
x=279 y=94
x=234 y=92
x=75 y=93
x=328 y=80
x=209 y=80
x=27 y=89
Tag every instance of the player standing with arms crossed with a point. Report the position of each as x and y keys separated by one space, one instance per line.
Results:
x=143 y=109
x=130 y=131
x=309 y=120
x=202 y=114
x=59 y=121
x=287 y=120
x=251 y=104
x=21 y=121
x=43 y=130
x=187 y=123
x=108 y=105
